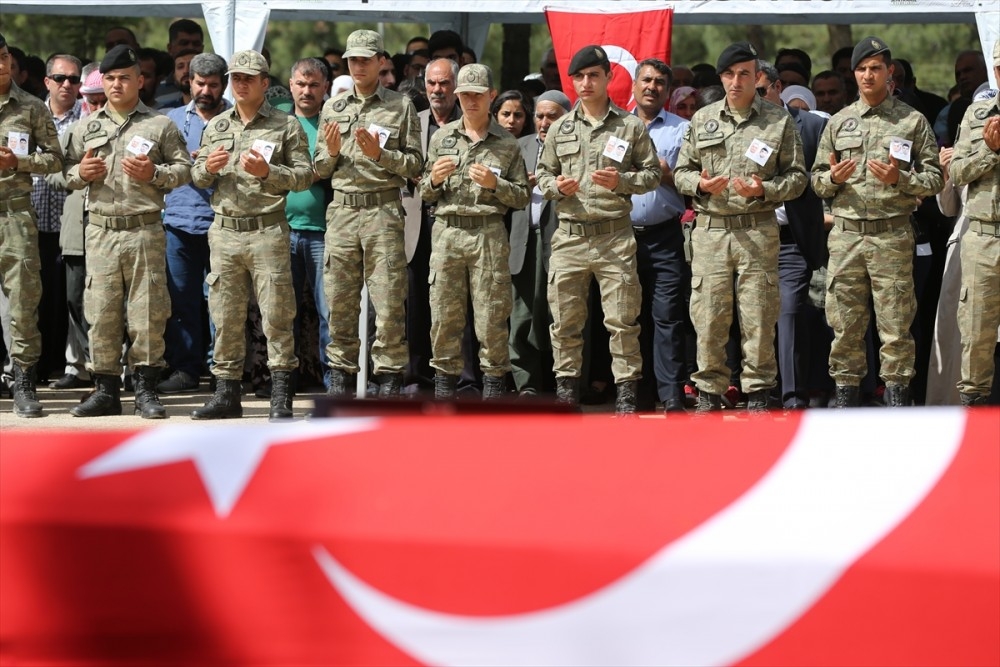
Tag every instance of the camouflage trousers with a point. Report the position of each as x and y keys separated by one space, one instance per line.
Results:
x=610 y=259
x=364 y=246
x=979 y=310
x=752 y=254
x=877 y=266
x=465 y=261
x=20 y=279
x=241 y=261
x=126 y=286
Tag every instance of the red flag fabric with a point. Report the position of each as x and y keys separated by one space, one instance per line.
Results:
x=628 y=38
x=870 y=538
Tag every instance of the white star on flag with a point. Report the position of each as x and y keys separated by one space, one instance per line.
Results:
x=226 y=458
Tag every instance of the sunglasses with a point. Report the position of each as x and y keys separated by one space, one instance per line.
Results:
x=60 y=78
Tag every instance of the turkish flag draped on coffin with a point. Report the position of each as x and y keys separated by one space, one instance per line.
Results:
x=628 y=38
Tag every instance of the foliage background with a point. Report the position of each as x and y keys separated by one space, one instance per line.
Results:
x=931 y=48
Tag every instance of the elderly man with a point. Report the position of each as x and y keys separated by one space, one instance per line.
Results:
x=370 y=147
x=876 y=157
x=741 y=158
x=22 y=117
x=127 y=156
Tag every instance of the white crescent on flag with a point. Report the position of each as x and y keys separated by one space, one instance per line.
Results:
x=726 y=588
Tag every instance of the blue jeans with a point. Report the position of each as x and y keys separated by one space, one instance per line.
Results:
x=307 y=248
x=187 y=265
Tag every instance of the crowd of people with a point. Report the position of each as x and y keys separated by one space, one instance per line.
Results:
x=750 y=234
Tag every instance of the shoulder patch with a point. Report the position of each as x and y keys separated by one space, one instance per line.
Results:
x=221 y=125
x=849 y=124
x=712 y=125
x=339 y=105
x=93 y=126
x=566 y=127
x=449 y=142
x=981 y=113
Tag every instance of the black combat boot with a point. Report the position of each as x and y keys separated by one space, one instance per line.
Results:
x=625 y=402
x=757 y=404
x=23 y=391
x=897 y=395
x=281 y=395
x=339 y=382
x=147 y=403
x=224 y=404
x=707 y=403
x=391 y=385
x=568 y=391
x=848 y=396
x=444 y=386
x=972 y=400
x=104 y=401
x=492 y=387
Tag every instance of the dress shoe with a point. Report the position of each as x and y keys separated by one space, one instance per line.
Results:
x=673 y=405
x=69 y=381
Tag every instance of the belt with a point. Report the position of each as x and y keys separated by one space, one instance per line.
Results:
x=120 y=222
x=467 y=221
x=871 y=226
x=595 y=228
x=646 y=229
x=742 y=221
x=15 y=204
x=365 y=199
x=251 y=223
x=984 y=228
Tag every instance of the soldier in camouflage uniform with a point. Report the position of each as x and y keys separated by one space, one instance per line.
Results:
x=252 y=154
x=22 y=117
x=740 y=159
x=976 y=163
x=127 y=156
x=474 y=174
x=372 y=145
x=875 y=158
x=594 y=159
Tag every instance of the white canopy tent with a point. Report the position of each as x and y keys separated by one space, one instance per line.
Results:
x=242 y=24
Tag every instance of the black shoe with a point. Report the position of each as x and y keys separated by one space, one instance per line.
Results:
x=568 y=391
x=897 y=395
x=673 y=405
x=69 y=381
x=972 y=400
x=757 y=403
x=707 y=403
x=179 y=382
x=444 y=387
x=848 y=396
x=104 y=401
x=147 y=403
x=493 y=387
x=23 y=391
x=281 y=396
x=263 y=391
x=224 y=404
x=340 y=382
x=625 y=402
x=391 y=385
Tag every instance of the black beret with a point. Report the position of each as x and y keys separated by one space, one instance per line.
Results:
x=589 y=56
x=3 y=41
x=866 y=48
x=119 y=57
x=740 y=52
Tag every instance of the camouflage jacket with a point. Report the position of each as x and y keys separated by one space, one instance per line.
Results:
x=976 y=165
x=24 y=114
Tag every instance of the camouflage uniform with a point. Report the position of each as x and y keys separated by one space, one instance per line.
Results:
x=594 y=237
x=871 y=243
x=975 y=165
x=249 y=239
x=125 y=242
x=20 y=279
x=736 y=234
x=364 y=225
x=469 y=246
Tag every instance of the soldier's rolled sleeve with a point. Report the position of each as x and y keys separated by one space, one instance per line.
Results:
x=646 y=172
x=790 y=181
x=923 y=179
x=298 y=175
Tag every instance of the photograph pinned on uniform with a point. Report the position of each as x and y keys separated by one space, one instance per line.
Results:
x=900 y=148
x=139 y=145
x=615 y=149
x=381 y=132
x=264 y=148
x=759 y=152
x=17 y=142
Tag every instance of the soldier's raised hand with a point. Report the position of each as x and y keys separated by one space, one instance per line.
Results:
x=216 y=160
x=92 y=168
x=887 y=172
x=254 y=164
x=139 y=167
x=755 y=188
x=331 y=134
x=712 y=186
x=841 y=170
x=567 y=186
x=991 y=133
x=442 y=169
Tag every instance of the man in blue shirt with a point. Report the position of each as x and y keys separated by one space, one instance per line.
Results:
x=187 y=217
x=663 y=273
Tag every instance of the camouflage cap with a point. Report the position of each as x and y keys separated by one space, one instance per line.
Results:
x=474 y=78
x=248 y=62
x=866 y=48
x=119 y=57
x=363 y=44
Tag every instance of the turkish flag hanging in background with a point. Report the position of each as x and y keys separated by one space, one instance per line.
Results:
x=628 y=38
